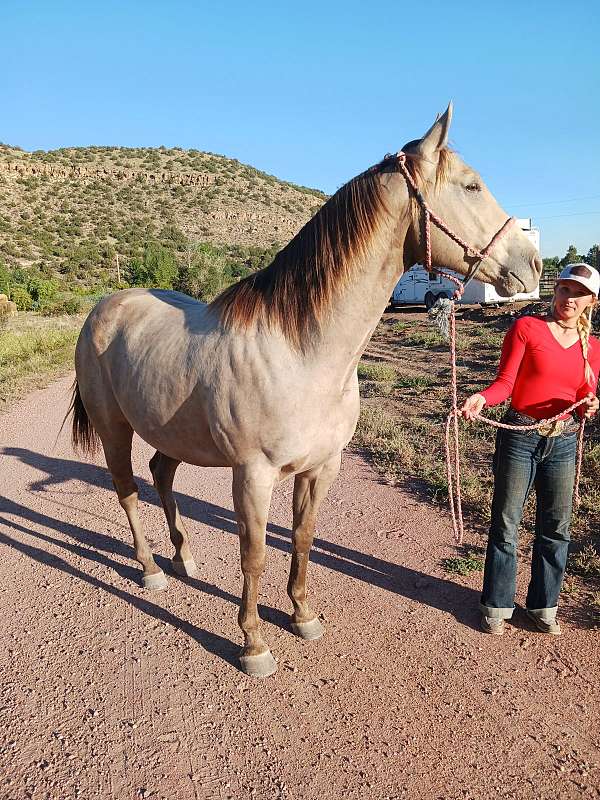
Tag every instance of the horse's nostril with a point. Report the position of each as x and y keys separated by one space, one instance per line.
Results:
x=537 y=264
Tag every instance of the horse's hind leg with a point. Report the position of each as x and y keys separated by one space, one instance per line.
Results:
x=117 y=450
x=252 y=489
x=309 y=490
x=163 y=470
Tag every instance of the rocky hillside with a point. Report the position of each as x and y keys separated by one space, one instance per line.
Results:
x=75 y=208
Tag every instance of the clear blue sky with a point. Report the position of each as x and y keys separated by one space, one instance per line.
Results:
x=314 y=92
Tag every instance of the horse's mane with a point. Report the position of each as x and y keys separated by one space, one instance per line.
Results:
x=295 y=292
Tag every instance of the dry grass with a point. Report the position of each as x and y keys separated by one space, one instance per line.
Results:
x=33 y=350
x=376 y=372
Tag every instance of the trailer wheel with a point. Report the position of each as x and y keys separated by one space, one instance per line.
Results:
x=429 y=299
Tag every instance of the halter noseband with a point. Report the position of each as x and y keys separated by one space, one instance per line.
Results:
x=429 y=216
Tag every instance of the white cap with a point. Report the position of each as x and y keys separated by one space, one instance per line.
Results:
x=584 y=274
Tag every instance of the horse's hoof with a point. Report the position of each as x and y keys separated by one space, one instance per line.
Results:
x=308 y=630
x=187 y=569
x=260 y=666
x=155 y=582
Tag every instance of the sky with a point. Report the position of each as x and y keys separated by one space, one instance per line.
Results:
x=315 y=92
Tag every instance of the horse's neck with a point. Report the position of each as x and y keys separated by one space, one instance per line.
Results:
x=359 y=306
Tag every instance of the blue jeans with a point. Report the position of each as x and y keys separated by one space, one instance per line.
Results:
x=523 y=460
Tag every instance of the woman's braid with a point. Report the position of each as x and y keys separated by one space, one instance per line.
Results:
x=584 y=328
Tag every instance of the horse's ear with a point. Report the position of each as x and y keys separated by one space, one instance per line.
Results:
x=436 y=137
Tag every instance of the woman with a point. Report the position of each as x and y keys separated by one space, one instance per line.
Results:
x=547 y=364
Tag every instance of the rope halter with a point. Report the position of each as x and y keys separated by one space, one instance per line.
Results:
x=429 y=216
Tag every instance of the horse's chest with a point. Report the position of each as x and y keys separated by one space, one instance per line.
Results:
x=331 y=420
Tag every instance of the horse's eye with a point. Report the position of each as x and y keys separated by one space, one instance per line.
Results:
x=473 y=187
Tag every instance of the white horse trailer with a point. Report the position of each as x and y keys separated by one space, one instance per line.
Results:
x=417 y=286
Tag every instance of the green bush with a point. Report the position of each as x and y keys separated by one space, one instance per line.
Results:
x=22 y=298
x=66 y=307
x=158 y=268
x=41 y=290
x=205 y=275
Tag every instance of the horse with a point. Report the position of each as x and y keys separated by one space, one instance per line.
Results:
x=264 y=378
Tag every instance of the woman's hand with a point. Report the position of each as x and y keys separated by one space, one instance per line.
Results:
x=592 y=405
x=472 y=406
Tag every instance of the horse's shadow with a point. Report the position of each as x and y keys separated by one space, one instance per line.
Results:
x=444 y=595
x=211 y=642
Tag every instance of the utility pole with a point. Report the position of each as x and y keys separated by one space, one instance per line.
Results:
x=118 y=269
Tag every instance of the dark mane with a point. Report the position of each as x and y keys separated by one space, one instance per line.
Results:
x=295 y=292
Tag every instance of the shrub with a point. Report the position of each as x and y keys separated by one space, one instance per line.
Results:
x=41 y=290
x=67 y=307
x=158 y=268
x=22 y=298
x=205 y=275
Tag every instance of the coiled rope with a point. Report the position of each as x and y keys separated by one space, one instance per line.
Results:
x=452 y=443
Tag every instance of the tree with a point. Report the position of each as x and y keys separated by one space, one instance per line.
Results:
x=205 y=272
x=571 y=256
x=157 y=269
x=160 y=265
x=593 y=257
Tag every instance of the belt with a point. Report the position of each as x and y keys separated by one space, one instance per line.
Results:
x=560 y=427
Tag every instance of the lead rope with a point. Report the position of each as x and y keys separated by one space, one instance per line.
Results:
x=452 y=443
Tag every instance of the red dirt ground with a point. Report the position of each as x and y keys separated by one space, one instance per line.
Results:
x=112 y=692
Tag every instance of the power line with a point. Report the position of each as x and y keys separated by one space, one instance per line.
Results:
x=574 y=214
x=554 y=202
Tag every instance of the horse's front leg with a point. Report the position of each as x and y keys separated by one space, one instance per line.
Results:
x=252 y=490
x=309 y=490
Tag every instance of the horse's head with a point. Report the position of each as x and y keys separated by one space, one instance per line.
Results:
x=458 y=195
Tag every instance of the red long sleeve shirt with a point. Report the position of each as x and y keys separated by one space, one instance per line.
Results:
x=540 y=375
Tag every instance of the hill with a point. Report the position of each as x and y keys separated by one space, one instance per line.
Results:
x=72 y=211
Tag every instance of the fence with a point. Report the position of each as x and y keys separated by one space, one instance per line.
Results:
x=547 y=282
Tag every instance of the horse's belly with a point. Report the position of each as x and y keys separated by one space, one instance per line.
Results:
x=201 y=453
x=182 y=436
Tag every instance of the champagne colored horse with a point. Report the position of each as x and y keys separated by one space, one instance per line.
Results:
x=263 y=379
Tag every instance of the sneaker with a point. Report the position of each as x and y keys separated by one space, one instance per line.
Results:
x=492 y=625
x=545 y=626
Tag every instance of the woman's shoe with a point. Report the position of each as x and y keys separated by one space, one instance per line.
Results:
x=545 y=626
x=492 y=625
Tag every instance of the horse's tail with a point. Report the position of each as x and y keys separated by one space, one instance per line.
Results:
x=83 y=436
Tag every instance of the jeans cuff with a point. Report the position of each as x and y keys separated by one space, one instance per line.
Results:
x=545 y=614
x=496 y=613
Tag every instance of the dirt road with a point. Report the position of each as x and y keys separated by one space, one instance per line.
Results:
x=112 y=692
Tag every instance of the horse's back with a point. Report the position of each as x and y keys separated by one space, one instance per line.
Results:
x=123 y=312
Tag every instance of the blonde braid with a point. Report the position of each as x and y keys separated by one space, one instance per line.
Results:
x=584 y=328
